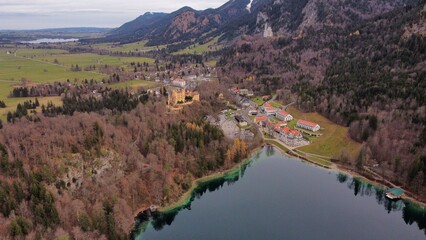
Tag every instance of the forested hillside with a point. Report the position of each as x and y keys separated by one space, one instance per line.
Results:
x=86 y=174
x=368 y=74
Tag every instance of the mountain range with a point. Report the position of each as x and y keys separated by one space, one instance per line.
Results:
x=187 y=24
x=241 y=17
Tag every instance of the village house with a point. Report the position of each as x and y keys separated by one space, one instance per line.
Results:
x=266 y=98
x=241 y=121
x=261 y=120
x=284 y=116
x=179 y=82
x=270 y=111
x=281 y=124
x=243 y=92
x=308 y=125
x=253 y=112
x=286 y=134
x=266 y=105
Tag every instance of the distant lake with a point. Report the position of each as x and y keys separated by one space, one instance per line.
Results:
x=51 y=40
x=277 y=197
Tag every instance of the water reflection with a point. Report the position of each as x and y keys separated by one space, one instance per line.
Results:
x=161 y=219
x=411 y=212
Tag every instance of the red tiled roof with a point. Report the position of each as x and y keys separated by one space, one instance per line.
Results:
x=267 y=105
x=295 y=133
x=281 y=123
x=261 y=118
x=287 y=131
x=268 y=109
x=304 y=122
x=284 y=113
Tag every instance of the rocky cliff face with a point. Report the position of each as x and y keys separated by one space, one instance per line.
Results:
x=187 y=24
x=293 y=17
x=283 y=18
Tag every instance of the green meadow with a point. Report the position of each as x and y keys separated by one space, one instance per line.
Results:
x=37 y=66
x=134 y=84
x=333 y=140
x=129 y=47
x=88 y=59
x=201 y=48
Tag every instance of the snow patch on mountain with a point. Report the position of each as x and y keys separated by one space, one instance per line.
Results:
x=248 y=7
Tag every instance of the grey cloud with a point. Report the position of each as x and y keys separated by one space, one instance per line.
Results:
x=25 y=14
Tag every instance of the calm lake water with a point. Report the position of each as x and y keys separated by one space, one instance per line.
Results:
x=276 y=197
x=51 y=40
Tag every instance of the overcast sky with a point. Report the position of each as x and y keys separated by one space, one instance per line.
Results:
x=36 y=14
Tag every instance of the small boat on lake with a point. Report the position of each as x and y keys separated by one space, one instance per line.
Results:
x=394 y=193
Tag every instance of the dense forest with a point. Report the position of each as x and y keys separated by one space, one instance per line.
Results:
x=368 y=75
x=86 y=174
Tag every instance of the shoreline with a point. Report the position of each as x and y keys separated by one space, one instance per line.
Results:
x=186 y=197
x=341 y=169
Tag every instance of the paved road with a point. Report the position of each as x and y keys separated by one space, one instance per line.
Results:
x=288 y=105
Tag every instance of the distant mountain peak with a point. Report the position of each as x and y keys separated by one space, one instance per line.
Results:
x=290 y=18
x=185 y=9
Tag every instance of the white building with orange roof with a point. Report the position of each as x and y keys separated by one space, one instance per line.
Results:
x=283 y=115
x=286 y=134
x=308 y=125
x=270 y=111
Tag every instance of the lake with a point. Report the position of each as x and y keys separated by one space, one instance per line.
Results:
x=277 y=197
x=51 y=40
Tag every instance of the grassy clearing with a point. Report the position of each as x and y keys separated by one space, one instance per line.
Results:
x=276 y=104
x=258 y=100
x=334 y=140
x=14 y=69
x=33 y=53
x=211 y=63
x=229 y=114
x=129 y=47
x=212 y=45
x=316 y=159
x=134 y=84
x=277 y=144
x=13 y=102
x=87 y=59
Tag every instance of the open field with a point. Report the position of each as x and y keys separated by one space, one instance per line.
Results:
x=32 y=53
x=258 y=100
x=13 y=102
x=212 y=45
x=129 y=47
x=134 y=84
x=37 y=66
x=275 y=104
x=334 y=139
x=87 y=59
x=211 y=63
x=14 y=69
